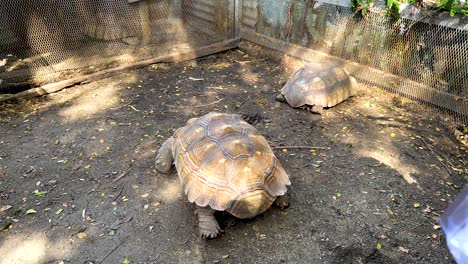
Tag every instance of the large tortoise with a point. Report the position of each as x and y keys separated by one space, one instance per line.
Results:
x=224 y=164
x=319 y=85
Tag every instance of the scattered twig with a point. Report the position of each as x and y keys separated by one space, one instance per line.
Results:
x=251 y=61
x=79 y=230
x=183 y=243
x=110 y=252
x=53 y=187
x=4 y=155
x=437 y=157
x=118 y=107
x=297 y=147
x=420 y=224
x=75 y=169
x=118 y=222
x=5 y=226
x=95 y=189
x=215 y=87
x=119 y=193
x=120 y=177
x=215 y=102
x=204 y=105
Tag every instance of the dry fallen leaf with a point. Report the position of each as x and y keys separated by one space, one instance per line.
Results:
x=145 y=195
x=81 y=235
x=5 y=208
x=402 y=249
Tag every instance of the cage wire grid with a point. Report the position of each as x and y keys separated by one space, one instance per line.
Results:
x=43 y=41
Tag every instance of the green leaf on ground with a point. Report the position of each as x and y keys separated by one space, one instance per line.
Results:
x=39 y=193
x=31 y=211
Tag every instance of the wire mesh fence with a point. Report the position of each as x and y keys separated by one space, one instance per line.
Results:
x=429 y=54
x=43 y=41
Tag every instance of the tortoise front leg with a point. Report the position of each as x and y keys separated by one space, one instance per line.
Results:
x=317 y=109
x=282 y=201
x=207 y=223
x=164 y=159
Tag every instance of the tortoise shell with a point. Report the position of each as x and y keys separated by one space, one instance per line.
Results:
x=225 y=163
x=321 y=84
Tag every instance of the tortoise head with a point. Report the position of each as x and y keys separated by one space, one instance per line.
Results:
x=280 y=98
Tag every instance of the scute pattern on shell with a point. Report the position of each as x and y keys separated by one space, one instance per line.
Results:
x=225 y=163
x=322 y=84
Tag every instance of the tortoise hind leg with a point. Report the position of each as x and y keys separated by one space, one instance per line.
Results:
x=282 y=201
x=209 y=227
x=164 y=159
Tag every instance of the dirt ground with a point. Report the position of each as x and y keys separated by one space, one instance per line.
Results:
x=78 y=184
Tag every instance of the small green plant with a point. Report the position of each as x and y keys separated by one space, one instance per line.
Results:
x=361 y=7
x=454 y=7
x=393 y=9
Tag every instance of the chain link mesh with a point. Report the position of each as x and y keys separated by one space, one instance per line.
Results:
x=428 y=54
x=43 y=41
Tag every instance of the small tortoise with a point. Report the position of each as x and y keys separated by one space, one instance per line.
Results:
x=318 y=85
x=224 y=164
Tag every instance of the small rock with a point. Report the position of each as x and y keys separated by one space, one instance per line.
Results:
x=52 y=182
x=402 y=249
